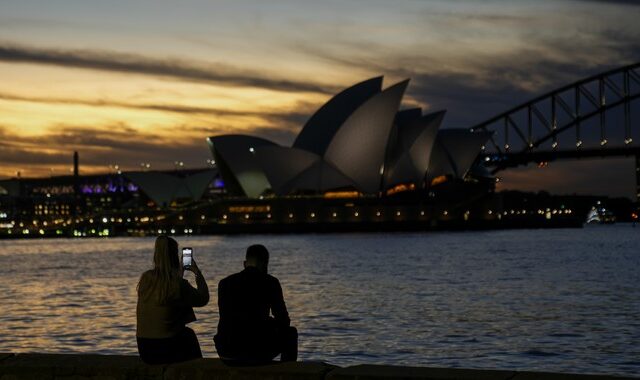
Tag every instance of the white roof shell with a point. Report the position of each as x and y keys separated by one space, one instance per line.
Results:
x=291 y=169
x=454 y=152
x=163 y=188
x=410 y=149
x=235 y=156
x=358 y=147
x=317 y=133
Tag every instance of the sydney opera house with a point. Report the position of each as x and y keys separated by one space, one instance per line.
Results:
x=360 y=162
x=358 y=143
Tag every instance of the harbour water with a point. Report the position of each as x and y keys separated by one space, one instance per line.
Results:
x=546 y=300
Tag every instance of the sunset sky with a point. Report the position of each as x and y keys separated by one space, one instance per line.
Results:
x=125 y=82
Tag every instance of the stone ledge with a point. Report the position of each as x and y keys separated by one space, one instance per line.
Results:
x=74 y=366
x=4 y=355
x=383 y=372
x=564 y=376
x=118 y=367
x=215 y=369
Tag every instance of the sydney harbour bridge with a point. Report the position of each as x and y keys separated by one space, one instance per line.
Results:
x=591 y=118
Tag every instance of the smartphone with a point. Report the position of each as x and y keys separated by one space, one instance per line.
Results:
x=187 y=255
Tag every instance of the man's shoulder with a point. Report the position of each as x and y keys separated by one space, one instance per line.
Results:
x=230 y=278
x=248 y=276
x=272 y=278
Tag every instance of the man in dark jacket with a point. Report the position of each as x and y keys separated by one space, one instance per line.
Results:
x=247 y=333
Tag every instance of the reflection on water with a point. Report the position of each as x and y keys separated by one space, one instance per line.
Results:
x=556 y=300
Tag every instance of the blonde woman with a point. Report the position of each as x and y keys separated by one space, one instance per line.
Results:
x=165 y=306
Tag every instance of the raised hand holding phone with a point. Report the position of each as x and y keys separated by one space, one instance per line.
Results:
x=187 y=257
x=194 y=267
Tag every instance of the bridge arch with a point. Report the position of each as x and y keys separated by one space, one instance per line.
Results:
x=530 y=132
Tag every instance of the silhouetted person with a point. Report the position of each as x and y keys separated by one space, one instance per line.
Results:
x=247 y=333
x=165 y=305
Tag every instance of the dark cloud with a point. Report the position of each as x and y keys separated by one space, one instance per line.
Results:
x=169 y=68
x=283 y=118
x=16 y=156
x=479 y=85
x=119 y=144
x=472 y=98
x=611 y=2
x=489 y=85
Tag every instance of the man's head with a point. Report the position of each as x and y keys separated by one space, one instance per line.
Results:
x=257 y=257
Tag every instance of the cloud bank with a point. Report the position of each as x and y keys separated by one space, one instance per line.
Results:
x=169 y=68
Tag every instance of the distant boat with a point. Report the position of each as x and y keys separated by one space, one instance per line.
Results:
x=600 y=216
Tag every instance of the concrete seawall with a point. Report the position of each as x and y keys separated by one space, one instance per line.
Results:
x=116 y=367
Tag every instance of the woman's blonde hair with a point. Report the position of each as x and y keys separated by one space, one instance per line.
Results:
x=163 y=281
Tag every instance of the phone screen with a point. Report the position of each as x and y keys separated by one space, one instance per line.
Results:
x=187 y=254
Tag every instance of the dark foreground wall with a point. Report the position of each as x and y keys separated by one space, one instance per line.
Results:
x=113 y=367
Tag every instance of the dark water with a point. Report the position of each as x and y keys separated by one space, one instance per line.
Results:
x=552 y=300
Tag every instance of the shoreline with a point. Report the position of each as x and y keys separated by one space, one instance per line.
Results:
x=319 y=227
